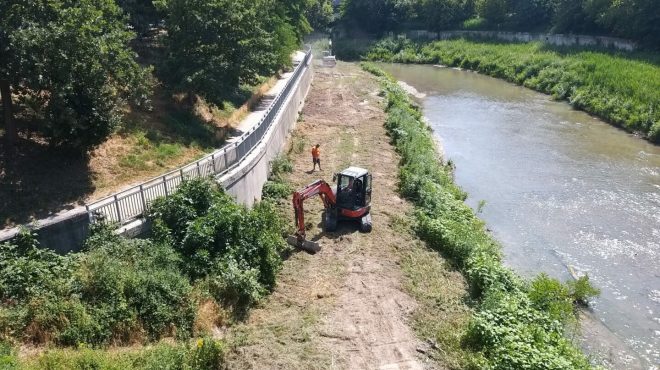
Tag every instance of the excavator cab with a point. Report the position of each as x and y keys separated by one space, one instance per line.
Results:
x=353 y=188
x=348 y=199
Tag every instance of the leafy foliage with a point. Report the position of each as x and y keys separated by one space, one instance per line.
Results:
x=517 y=325
x=71 y=61
x=216 y=44
x=636 y=19
x=238 y=249
x=123 y=291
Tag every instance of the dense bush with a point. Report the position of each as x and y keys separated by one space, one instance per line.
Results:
x=517 y=325
x=238 y=249
x=119 y=291
x=124 y=291
x=621 y=89
x=277 y=187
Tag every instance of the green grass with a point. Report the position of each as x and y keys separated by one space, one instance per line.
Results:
x=516 y=324
x=147 y=154
x=623 y=89
x=202 y=354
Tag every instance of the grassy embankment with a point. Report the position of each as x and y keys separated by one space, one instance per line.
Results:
x=623 y=89
x=517 y=324
x=141 y=304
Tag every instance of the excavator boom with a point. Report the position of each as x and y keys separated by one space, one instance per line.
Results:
x=318 y=187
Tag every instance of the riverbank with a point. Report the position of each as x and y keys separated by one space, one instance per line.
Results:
x=562 y=191
x=623 y=89
x=516 y=324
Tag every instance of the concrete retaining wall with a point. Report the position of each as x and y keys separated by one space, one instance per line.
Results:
x=246 y=181
x=63 y=232
x=553 y=39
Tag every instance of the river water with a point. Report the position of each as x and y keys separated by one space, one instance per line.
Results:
x=563 y=191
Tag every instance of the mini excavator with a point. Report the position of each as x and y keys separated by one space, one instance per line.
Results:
x=350 y=199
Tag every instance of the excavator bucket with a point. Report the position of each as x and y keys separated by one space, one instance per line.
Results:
x=303 y=244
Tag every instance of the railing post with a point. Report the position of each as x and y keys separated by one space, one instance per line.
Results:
x=199 y=172
x=144 y=202
x=213 y=160
x=118 y=209
x=165 y=185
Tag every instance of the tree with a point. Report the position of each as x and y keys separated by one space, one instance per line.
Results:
x=293 y=13
x=319 y=14
x=494 y=11
x=531 y=14
x=71 y=60
x=377 y=16
x=570 y=16
x=214 y=45
x=636 y=19
x=437 y=15
x=143 y=13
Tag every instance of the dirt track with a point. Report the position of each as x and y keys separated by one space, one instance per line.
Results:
x=343 y=307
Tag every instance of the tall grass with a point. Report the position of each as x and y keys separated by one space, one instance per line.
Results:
x=517 y=324
x=623 y=89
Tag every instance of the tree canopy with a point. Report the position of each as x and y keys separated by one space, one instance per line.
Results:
x=69 y=63
x=635 y=19
x=70 y=67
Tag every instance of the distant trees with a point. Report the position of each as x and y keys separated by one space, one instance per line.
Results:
x=320 y=14
x=635 y=19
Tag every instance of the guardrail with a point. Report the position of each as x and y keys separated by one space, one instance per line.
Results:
x=126 y=206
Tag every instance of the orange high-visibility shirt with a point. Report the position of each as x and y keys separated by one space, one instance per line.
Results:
x=316 y=152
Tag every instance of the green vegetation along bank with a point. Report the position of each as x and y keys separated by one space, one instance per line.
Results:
x=518 y=324
x=633 y=19
x=208 y=261
x=623 y=89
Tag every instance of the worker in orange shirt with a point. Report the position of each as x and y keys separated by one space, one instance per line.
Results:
x=316 y=156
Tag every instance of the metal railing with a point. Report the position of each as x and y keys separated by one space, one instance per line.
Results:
x=127 y=205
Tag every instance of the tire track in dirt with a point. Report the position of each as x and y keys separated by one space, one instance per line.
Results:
x=343 y=307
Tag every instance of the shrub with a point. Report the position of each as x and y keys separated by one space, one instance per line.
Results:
x=276 y=190
x=581 y=290
x=279 y=166
x=225 y=240
x=550 y=295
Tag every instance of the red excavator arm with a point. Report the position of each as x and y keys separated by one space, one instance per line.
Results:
x=318 y=187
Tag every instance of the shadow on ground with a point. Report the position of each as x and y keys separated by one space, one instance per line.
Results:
x=37 y=181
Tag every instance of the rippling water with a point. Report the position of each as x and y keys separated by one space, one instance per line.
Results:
x=561 y=189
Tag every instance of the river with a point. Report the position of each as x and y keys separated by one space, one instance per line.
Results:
x=563 y=191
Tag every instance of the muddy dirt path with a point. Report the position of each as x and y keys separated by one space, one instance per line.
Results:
x=343 y=307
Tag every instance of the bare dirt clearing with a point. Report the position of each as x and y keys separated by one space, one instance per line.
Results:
x=344 y=307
